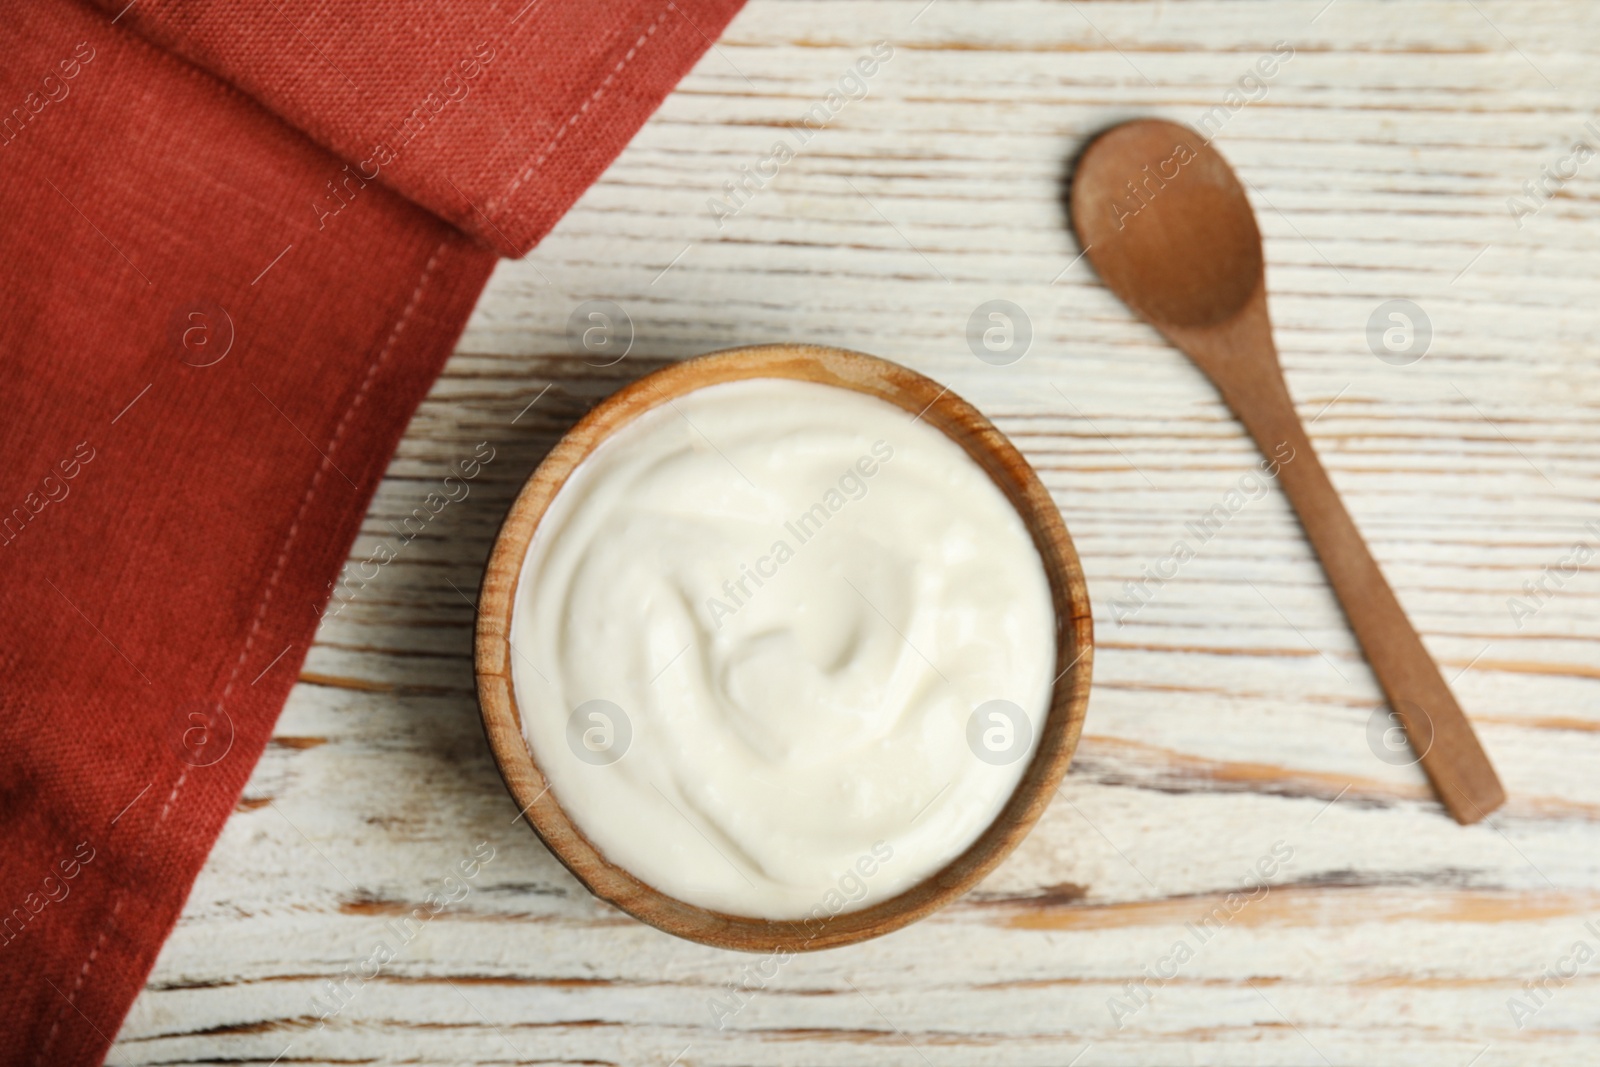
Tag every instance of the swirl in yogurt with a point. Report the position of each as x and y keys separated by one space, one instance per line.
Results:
x=774 y=628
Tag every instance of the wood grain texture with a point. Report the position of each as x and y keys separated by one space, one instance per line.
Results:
x=1229 y=713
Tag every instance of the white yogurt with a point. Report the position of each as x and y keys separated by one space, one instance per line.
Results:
x=758 y=636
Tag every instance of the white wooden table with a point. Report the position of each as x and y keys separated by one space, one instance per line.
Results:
x=1228 y=715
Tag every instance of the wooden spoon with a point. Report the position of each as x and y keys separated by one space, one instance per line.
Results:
x=1165 y=222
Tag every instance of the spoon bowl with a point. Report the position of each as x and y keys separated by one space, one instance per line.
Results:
x=1145 y=188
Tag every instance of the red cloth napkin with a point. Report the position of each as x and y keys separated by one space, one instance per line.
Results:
x=494 y=118
x=218 y=310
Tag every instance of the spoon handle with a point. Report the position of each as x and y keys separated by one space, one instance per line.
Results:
x=1450 y=752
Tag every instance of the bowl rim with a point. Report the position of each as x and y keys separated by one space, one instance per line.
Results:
x=926 y=400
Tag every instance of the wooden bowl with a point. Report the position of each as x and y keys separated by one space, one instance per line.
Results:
x=940 y=408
